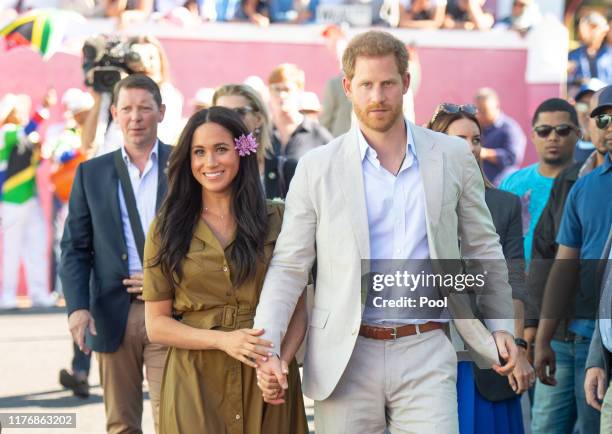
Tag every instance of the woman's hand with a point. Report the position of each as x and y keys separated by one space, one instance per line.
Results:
x=244 y=346
x=523 y=374
x=272 y=391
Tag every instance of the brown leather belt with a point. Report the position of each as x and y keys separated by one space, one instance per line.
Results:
x=390 y=333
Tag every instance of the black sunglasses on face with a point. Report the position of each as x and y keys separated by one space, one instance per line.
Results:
x=562 y=130
x=458 y=108
x=242 y=111
x=603 y=121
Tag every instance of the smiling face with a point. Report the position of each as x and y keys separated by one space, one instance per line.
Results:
x=376 y=91
x=555 y=149
x=214 y=159
x=137 y=115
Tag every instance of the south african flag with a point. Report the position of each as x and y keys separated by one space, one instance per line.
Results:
x=42 y=29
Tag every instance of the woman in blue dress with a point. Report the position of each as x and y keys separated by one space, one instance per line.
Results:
x=489 y=403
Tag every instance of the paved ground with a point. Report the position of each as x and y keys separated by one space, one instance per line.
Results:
x=34 y=345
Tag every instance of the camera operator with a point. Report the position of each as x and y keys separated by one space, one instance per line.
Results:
x=152 y=61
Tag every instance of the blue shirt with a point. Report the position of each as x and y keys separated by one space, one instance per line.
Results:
x=397 y=227
x=508 y=140
x=588 y=213
x=533 y=189
x=583 y=71
x=585 y=225
x=145 y=193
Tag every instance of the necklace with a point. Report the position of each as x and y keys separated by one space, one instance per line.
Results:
x=219 y=216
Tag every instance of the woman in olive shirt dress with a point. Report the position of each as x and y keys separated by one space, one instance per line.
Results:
x=206 y=257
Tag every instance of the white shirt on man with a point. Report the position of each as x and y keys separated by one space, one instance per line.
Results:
x=145 y=193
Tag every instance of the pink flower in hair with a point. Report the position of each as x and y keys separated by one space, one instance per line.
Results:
x=246 y=145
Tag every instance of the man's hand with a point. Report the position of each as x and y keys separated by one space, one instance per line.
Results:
x=134 y=284
x=523 y=375
x=529 y=334
x=545 y=363
x=79 y=321
x=507 y=351
x=595 y=387
x=272 y=380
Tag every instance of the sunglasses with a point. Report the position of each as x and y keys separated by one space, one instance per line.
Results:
x=457 y=108
x=562 y=130
x=603 y=121
x=242 y=111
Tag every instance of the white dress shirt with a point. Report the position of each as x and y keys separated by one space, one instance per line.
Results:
x=145 y=193
x=397 y=227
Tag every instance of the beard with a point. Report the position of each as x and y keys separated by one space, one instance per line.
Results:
x=380 y=125
x=556 y=161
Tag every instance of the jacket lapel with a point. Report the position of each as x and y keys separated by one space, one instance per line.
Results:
x=351 y=183
x=162 y=178
x=115 y=211
x=431 y=168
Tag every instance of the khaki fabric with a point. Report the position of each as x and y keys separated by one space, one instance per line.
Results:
x=209 y=392
x=121 y=376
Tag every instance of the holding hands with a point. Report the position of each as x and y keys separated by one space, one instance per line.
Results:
x=272 y=380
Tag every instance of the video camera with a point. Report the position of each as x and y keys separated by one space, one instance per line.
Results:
x=107 y=59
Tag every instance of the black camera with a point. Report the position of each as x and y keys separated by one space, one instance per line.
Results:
x=108 y=59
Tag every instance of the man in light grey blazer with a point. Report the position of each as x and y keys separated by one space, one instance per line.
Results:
x=385 y=190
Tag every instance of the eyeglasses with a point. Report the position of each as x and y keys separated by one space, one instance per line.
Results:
x=242 y=111
x=457 y=108
x=603 y=121
x=562 y=130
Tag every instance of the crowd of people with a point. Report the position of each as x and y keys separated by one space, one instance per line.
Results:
x=220 y=250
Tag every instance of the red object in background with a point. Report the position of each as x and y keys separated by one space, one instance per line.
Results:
x=63 y=175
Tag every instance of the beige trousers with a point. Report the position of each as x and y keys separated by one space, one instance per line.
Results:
x=407 y=385
x=121 y=375
x=606 y=412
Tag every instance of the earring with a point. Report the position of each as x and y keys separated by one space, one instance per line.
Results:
x=257 y=131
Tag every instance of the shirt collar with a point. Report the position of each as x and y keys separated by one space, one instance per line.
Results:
x=152 y=156
x=366 y=151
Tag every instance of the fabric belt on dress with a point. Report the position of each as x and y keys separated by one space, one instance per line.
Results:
x=391 y=333
x=229 y=316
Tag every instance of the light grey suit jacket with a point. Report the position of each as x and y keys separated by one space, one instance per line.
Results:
x=326 y=217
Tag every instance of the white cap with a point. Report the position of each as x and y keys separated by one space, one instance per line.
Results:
x=76 y=100
x=310 y=101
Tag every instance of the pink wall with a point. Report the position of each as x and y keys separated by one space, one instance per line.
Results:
x=451 y=75
x=448 y=75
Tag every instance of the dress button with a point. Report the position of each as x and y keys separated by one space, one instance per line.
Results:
x=237 y=417
x=124 y=257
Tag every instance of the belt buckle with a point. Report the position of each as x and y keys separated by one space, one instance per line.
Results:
x=394 y=333
x=230 y=316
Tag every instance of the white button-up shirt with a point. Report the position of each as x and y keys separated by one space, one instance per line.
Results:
x=145 y=193
x=396 y=218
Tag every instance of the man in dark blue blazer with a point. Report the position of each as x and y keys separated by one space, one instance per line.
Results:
x=114 y=198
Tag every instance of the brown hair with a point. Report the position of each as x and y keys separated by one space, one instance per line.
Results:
x=287 y=72
x=441 y=121
x=258 y=106
x=138 y=81
x=374 y=43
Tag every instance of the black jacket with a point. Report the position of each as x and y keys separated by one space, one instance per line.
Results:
x=94 y=255
x=544 y=247
x=505 y=209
